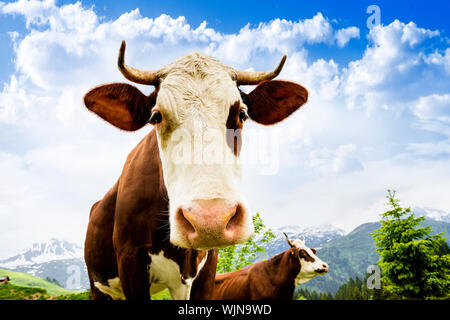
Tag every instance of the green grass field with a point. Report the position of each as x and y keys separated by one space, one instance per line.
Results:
x=13 y=292
x=23 y=286
x=26 y=280
x=163 y=295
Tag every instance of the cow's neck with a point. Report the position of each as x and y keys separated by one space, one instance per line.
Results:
x=283 y=269
x=142 y=202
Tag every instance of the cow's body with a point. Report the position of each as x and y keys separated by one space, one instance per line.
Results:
x=178 y=175
x=4 y=280
x=128 y=235
x=269 y=279
x=273 y=279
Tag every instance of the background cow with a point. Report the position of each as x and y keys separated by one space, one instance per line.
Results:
x=4 y=280
x=169 y=179
x=275 y=278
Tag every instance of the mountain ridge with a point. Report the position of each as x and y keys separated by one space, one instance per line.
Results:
x=54 y=249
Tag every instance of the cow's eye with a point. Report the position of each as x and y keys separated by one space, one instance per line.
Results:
x=156 y=117
x=243 y=115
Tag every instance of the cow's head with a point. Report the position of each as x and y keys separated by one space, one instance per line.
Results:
x=310 y=264
x=198 y=112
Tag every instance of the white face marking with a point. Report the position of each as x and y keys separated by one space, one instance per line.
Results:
x=195 y=99
x=308 y=269
x=163 y=274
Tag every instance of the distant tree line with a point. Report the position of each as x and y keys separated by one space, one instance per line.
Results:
x=353 y=289
x=53 y=280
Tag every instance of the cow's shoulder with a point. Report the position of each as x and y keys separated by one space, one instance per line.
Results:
x=102 y=211
x=142 y=201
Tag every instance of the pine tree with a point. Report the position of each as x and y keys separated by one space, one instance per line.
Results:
x=412 y=263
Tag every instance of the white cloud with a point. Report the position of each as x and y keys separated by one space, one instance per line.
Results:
x=343 y=36
x=392 y=71
x=338 y=154
x=35 y=12
x=439 y=59
x=433 y=107
x=430 y=149
x=433 y=114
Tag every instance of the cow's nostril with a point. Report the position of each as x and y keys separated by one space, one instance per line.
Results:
x=236 y=219
x=325 y=266
x=183 y=222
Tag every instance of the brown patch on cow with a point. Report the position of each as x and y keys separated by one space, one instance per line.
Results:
x=234 y=127
x=187 y=259
x=100 y=232
x=203 y=286
x=303 y=254
x=121 y=104
x=273 y=101
x=128 y=220
x=166 y=128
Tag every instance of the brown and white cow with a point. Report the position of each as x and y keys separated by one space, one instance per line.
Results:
x=171 y=179
x=273 y=279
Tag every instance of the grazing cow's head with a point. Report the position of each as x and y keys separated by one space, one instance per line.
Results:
x=310 y=264
x=198 y=111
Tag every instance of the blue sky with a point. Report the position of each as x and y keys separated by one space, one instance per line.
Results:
x=378 y=115
x=230 y=16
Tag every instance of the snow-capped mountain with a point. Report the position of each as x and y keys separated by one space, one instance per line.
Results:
x=432 y=213
x=55 y=259
x=51 y=250
x=315 y=237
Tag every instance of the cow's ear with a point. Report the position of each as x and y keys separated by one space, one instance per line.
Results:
x=273 y=101
x=121 y=104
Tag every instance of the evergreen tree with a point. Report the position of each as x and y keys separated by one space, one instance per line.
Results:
x=305 y=294
x=413 y=262
x=53 y=280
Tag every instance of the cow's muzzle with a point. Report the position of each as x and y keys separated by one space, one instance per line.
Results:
x=322 y=270
x=212 y=223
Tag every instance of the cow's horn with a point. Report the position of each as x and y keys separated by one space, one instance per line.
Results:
x=249 y=78
x=289 y=241
x=148 y=77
